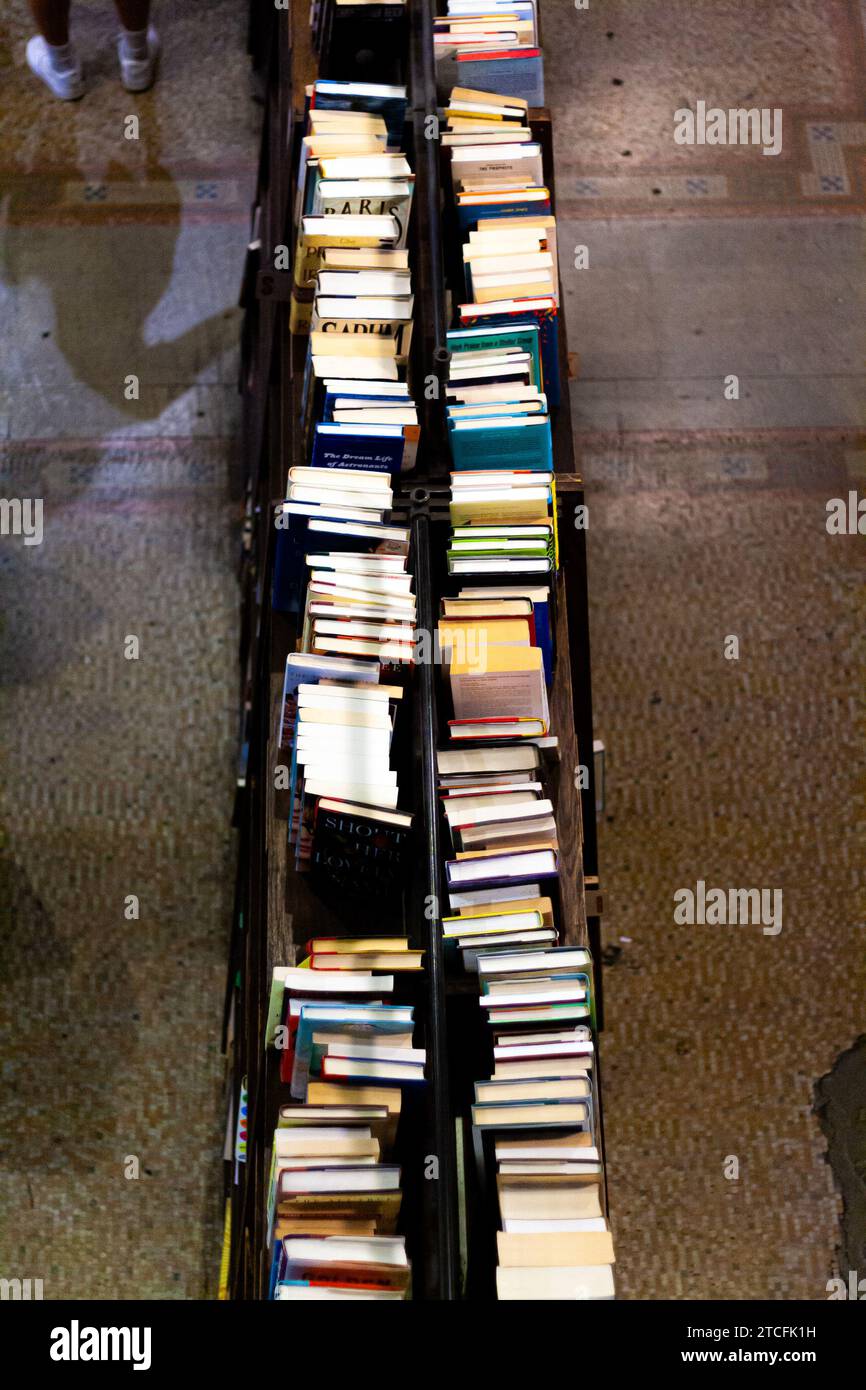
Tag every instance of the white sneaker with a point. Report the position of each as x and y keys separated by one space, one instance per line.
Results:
x=137 y=74
x=66 y=83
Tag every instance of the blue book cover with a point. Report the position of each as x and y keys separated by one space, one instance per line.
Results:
x=470 y=214
x=277 y=1265
x=288 y=564
x=544 y=636
x=370 y=448
x=508 y=76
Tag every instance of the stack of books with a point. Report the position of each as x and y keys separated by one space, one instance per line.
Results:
x=495 y=670
x=353 y=200
x=538 y=1116
x=346 y=1051
x=492 y=45
x=352 y=299
x=508 y=232
x=504 y=839
x=535 y=1119
x=343 y=687
x=476 y=785
x=338 y=721
x=503 y=522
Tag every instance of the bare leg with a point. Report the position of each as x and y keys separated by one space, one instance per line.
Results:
x=137 y=45
x=133 y=14
x=52 y=20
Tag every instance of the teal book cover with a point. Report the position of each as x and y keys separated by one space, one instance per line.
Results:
x=502 y=445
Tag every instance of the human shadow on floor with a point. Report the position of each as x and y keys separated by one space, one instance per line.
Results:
x=120 y=300
x=63 y=1041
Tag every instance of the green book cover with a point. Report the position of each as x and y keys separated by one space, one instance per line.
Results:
x=522 y=335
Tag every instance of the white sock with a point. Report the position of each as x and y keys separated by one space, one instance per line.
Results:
x=134 y=43
x=61 y=56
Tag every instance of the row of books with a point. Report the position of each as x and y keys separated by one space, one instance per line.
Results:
x=535 y=1120
x=352 y=206
x=490 y=44
x=345 y=1051
x=342 y=561
x=535 y=1117
x=352 y=299
x=345 y=1044
x=536 y=1124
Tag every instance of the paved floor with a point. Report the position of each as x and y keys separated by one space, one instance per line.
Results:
x=707 y=521
x=120 y=258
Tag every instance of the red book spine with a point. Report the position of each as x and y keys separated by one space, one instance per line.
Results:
x=504 y=53
x=287 y=1057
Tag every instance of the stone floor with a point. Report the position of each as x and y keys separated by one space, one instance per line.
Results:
x=707 y=520
x=120 y=258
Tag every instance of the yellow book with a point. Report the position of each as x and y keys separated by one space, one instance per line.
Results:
x=469 y=639
x=364 y=258
x=338 y=1093
x=512 y=849
x=349 y=120
x=474 y=97
x=315 y=233
x=554 y=1249
x=500 y=660
x=359 y=945
x=505 y=922
x=544 y=906
x=381 y=960
x=517 y=508
x=515 y=289
x=225 y=1260
x=324 y=144
x=555 y=522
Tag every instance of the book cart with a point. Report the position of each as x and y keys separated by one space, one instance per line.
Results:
x=448 y=1213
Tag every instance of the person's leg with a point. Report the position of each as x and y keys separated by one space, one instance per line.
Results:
x=133 y=14
x=138 y=45
x=50 y=55
x=52 y=20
